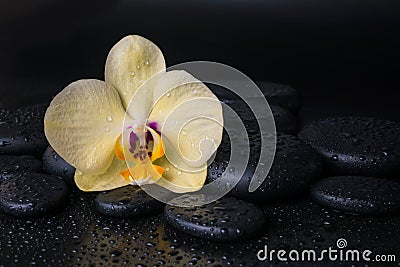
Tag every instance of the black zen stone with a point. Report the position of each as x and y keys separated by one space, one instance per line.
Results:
x=78 y=235
x=296 y=165
x=285 y=120
x=281 y=95
x=226 y=219
x=54 y=164
x=356 y=145
x=10 y=164
x=127 y=201
x=29 y=194
x=22 y=132
x=357 y=194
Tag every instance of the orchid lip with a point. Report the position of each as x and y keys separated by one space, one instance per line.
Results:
x=139 y=147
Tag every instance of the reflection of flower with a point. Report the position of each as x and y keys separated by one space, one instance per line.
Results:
x=93 y=127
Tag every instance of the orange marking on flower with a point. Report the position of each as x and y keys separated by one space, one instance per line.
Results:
x=141 y=172
x=158 y=150
x=118 y=149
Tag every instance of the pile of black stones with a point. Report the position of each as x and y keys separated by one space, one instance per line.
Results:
x=334 y=178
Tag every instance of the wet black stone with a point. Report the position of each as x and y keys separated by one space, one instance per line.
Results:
x=285 y=121
x=127 y=201
x=4 y=115
x=22 y=133
x=226 y=219
x=80 y=236
x=29 y=194
x=9 y=165
x=358 y=194
x=281 y=95
x=356 y=145
x=296 y=165
x=54 y=164
x=276 y=94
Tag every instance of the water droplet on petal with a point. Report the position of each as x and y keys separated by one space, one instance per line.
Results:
x=168 y=94
x=78 y=173
x=184 y=132
x=146 y=62
x=106 y=129
x=132 y=73
x=178 y=173
x=167 y=169
x=109 y=118
x=194 y=91
x=138 y=67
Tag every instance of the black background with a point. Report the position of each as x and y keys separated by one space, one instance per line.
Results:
x=342 y=55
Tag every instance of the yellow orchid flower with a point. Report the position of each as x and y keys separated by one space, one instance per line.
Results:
x=112 y=142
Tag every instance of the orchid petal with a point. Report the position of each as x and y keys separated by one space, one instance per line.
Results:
x=130 y=63
x=190 y=116
x=180 y=181
x=111 y=179
x=82 y=124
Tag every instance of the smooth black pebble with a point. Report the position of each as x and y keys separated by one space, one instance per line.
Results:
x=276 y=94
x=358 y=194
x=281 y=95
x=127 y=201
x=54 y=164
x=29 y=194
x=285 y=120
x=296 y=165
x=9 y=165
x=226 y=219
x=22 y=132
x=356 y=145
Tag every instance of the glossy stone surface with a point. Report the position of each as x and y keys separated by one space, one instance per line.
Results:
x=10 y=164
x=356 y=145
x=127 y=201
x=79 y=236
x=28 y=194
x=226 y=219
x=21 y=132
x=357 y=194
x=56 y=165
x=296 y=165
